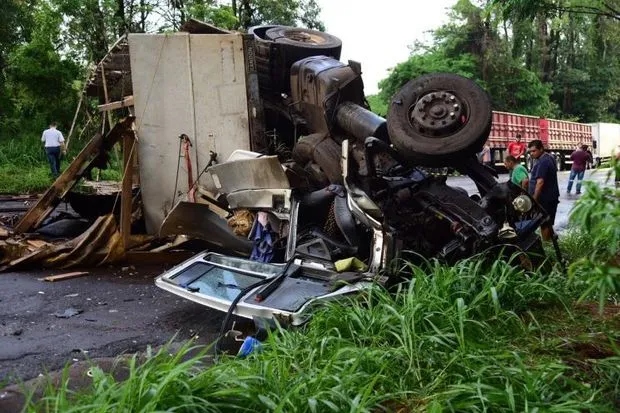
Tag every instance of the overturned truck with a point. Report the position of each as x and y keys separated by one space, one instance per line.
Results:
x=336 y=194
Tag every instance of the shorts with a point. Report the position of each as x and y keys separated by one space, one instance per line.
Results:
x=551 y=209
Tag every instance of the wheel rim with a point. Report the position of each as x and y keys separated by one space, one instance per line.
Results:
x=305 y=37
x=438 y=114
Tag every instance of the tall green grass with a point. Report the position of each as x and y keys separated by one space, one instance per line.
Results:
x=597 y=214
x=24 y=167
x=464 y=338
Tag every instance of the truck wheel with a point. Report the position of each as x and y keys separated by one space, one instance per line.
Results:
x=439 y=119
x=312 y=41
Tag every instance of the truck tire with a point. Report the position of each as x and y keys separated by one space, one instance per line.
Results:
x=439 y=119
x=265 y=59
x=306 y=41
x=291 y=44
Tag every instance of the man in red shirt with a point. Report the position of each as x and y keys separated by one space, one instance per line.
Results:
x=517 y=148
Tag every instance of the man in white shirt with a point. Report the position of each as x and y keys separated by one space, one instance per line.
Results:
x=54 y=144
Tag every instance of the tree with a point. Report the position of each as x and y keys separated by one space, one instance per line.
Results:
x=470 y=45
x=556 y=58
x=33 y=64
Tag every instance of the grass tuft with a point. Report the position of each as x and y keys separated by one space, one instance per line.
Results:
x=477 y=336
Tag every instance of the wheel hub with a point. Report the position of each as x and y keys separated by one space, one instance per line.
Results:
x=437 y=113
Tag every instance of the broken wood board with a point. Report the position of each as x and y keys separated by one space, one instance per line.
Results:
x=37 y=243
x=65 y=276
x=90 y=156
x=123 y=103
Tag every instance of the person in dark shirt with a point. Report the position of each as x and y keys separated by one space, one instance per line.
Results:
x=543 y=185
x=580 y=159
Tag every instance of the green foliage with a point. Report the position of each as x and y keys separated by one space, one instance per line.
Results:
x=15 y=179
x=597 y=213
x=377 y=105
x=461 y=338
x=421 y=64
x=284 y=12
x=551 y=59
x=219 y=15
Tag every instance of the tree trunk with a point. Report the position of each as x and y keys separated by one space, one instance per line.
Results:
x=484 y=50
x=99 y=46
x=543 y=37
x=143 y=16
x=121 y=22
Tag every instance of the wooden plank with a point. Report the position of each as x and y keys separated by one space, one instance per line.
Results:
x=126 y=195
x=69 y=177
x=37 y=243
x=126 y=101
x=105 y=95
x=77 y=111
x=65 y=276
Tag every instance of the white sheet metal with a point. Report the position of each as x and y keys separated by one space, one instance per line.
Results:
x=192 y=84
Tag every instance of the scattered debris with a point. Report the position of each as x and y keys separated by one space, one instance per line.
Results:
x=66 y=276
x=68 y=313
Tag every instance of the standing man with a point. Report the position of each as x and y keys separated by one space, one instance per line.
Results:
x=518 y=173
x=516 y=148
x=485 y=156
x=54 y=143
x=580 y=159
x=543 y=185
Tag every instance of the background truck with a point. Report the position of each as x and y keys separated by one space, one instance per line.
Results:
x=605 y=138
x=560 y=137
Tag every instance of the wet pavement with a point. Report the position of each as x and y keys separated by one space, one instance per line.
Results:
x=566 y=201
x=118 y=311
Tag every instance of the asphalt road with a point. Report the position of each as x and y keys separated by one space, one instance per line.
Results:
x=121 y=312
x=566 y=201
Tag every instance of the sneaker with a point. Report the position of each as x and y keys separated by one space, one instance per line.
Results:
x=577 y=193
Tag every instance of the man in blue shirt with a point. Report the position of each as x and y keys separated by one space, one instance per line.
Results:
x=543 y=185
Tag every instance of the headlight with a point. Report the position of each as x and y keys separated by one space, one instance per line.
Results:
x=522 y=203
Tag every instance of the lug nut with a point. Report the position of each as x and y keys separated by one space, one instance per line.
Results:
x=452 y=115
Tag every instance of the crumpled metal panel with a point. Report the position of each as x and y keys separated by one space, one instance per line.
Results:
x=277 y=199
x=260 y=173
x=198 y=221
